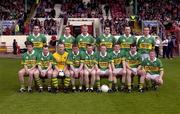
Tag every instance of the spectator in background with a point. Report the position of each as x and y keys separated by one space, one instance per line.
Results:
x=165 y=45
x=106 y=8
x=170 y=47
x=157 y=45
x=53 y=41
x=14 y=47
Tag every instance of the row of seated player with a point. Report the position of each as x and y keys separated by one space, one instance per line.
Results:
x=110 y=61
x=90 y=67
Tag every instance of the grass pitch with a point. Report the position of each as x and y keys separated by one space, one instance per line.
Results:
x=164 y=101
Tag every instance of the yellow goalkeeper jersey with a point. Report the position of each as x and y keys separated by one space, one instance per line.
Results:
x=60 y=60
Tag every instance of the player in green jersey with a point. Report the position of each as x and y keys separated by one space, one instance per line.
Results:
x=38 y=39
x=153 y=69
x=145 y=43
x=126 y=39
x=67 y=39
x=133 y=64
x=89 y=67
x=118 y=66
x=29 y=61
x=104 y=67
x=75 y=60
x=106 y=39
x=44 y=61
x=84 y=38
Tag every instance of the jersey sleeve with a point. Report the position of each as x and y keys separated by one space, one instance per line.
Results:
x=70 y=59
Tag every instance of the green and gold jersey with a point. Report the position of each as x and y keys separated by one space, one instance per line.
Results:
x=82 y=41
x=44 y=61
x=68 y=41
x=125 y=42
x=108 y=40
x=75 y=59
x=152 y=67
x=133 y=60
x=103 y=61
x=89 y=59
x=39 y=41
x=145 y=44
x=118 y=58
x=29 y=59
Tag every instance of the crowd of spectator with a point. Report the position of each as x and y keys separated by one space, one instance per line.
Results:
x=80 y=9
x=47 y=26
x=166 y=11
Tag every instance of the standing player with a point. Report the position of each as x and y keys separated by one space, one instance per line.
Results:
x=126 y=40
x=133 y=60
x=67 y=39
x=75 y=60
x=104 y=67
x=29 y=61
x=89 y=67
x=106 y=39
x=84 y=38
x=44 y=61
x=38 y=39
x=118 y=66
x=153 y=69
x=60 y=68
x=145 y=43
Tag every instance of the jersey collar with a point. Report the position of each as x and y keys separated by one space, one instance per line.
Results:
x=153 y=60
x=46 y=55
x=36 y=35
x=31 y=53
x=76 y=54
x=148 y=36
x=126 y=36
x=106 y=36
x=67 y=36
x=132 y=54
x=90 y=54
x=103 y=55
x=117 y=52
x=85 y=35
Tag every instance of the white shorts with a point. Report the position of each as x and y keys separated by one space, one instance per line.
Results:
x=103 y=72
x=152 y=76
x=117 y=70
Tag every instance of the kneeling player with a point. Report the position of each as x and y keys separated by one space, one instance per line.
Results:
x=118 y=66
x=153 y=69
x=29 y=61
x=60 y=68
x=75 y=60
x=44 y=61
x=89 y=67
x=104 y=67
x=133 y=59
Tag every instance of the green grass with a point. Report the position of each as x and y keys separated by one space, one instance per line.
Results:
x=164 y=101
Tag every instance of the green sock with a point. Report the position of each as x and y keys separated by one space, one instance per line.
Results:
x=49 y=82
x=98 y=84
x=38 y=81
x=110 y=84
x=67 y=81
x=55 y=82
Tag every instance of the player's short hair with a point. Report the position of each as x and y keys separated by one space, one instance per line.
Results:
x=152 y=50
x=115 y=44
x=146 y=27
x=75 y=45
x=36 y=25
x=29 y=43
x=45 y=46
x=61 y=43
x=102 y=45
x=67 y=27
x=88 y=45
x=133 y=45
